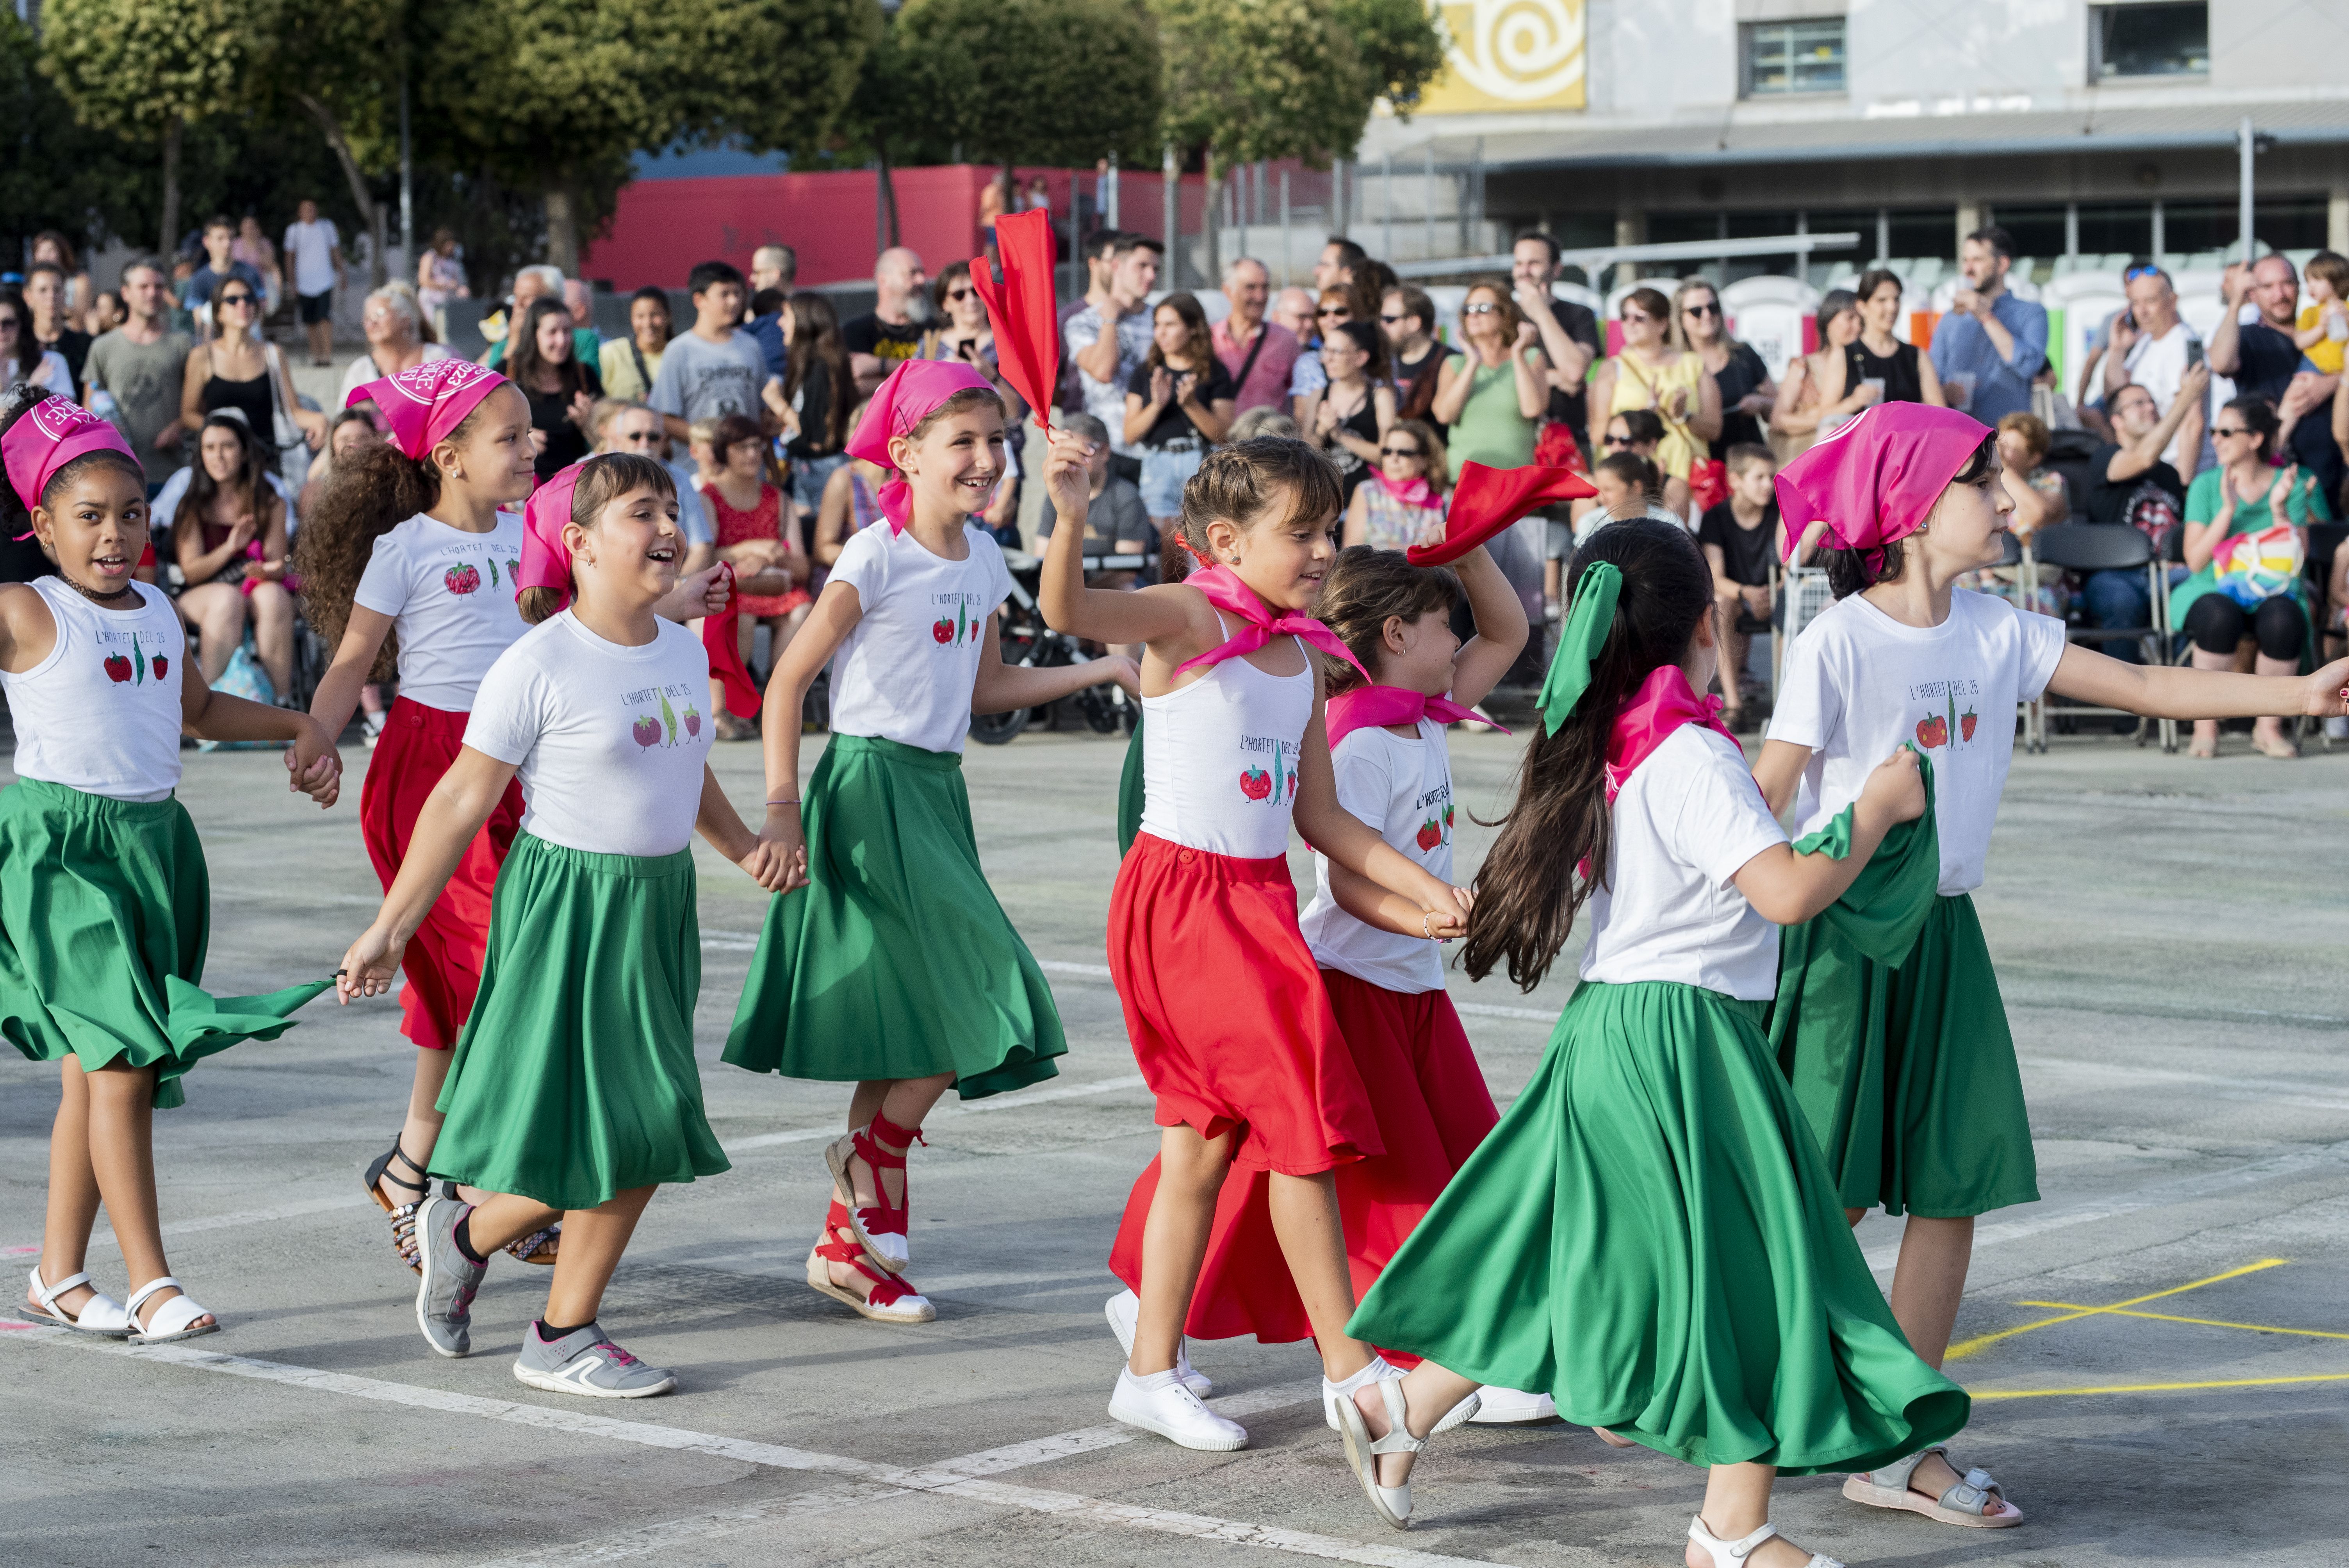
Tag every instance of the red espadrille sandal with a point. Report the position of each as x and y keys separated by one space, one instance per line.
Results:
x=880 y=1228
x=891 y=1299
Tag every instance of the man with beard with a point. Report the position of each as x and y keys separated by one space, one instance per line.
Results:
x=882 y=341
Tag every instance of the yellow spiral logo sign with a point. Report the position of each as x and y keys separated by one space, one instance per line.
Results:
x=1508 y=54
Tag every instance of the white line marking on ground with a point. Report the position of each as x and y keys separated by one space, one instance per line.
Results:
x=961 y=1478
x=2266 y=1091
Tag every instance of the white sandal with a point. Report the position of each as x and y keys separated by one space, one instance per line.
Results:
x=172 y=1319
x=101 y=1313
x=1392 y=1503
x=1734 y=1554
x=1969 y=1503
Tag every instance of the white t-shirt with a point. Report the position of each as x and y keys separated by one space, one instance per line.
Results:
x=311 y=246
x=906 y=672
x=1105 y=400
x=1403 y=788
x=1949 y=691
x=362 y=370
x=1685 y=824
x=2158 y=365
x=450 y=596
x=611 y=741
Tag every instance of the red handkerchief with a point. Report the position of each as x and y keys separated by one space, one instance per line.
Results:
x=1487 y=501
x=1027 y=326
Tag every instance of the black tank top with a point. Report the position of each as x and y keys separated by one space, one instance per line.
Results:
x=252 y=399
x=1897 y=370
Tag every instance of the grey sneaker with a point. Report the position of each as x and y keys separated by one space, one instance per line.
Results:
x=584 y=1362
x=444 y=1296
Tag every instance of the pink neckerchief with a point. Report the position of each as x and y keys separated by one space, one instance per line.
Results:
x=1655 y=713
x=1415 y=492
x=1225 y=592
x=1377 y=705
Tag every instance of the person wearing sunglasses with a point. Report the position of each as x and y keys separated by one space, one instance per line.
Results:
x=1991 y=344
x=1821 y=389
x=1493 y=396
x=1699 y=327
x=238 y=369
x=963 y=334
x=219 y=270
x=20 y=359
x=1308 y=382
x=1650 y=373
x=1404 y=503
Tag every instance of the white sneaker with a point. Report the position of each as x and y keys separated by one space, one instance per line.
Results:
x=1513 y=1407
x=1122 y=1310
x=1378 y=1367
x=1161 y=1403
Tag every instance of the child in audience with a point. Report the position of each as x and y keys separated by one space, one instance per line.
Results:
x=2323 y=323
x=1739 y=537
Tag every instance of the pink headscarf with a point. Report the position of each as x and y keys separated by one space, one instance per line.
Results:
x=424 y=402
x=914 y=390
x=1876 y=478
x=47 y=435
x=545 y=563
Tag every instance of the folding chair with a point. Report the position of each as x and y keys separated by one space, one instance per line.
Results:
x=1803 y=594
x=2086 y=547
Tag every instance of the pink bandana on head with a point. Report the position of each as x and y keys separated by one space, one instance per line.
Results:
x=1224 y=591
x=47 y=435
x=1363 y=707
x=545 y=563
x=914 y=390
x=424 y=402
x=1876 y=478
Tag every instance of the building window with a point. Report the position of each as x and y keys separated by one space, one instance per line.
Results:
x=1794 y=56
x=2166 y=39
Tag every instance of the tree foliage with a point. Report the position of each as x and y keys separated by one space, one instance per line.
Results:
x=60 y=174
x=1054 y=82
x=1247 y=79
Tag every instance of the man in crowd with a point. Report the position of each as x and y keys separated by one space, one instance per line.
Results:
x=196 y=294
x=2153 y=347
x=541 y=281
x=1293 y=308
x=45 y=293
x=315 y=252
x=882 y=341
x=1569 y=332
x=1258 y=354
x=2130 y=482
x=1991 y=344
x=716 y=368
x=1408 y=317
x=140 y=364
x=620 y=425
x=2263 y=356
x=1335 y=269
x=773 y=267
x=1110 y=336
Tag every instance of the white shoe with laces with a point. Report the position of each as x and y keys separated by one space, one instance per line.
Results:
x=1513 y=1407
x=1160 y=1403
x=1122 y=1310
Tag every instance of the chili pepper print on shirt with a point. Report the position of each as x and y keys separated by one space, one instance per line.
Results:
x=1270 y=770
x=128 y=663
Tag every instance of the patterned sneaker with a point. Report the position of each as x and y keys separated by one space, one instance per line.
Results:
x=444 y=1295
x=584 y=1362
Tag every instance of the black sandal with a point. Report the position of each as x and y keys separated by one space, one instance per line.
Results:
x=403 y=1215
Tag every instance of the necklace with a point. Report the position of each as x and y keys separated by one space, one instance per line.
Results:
x=96 y=598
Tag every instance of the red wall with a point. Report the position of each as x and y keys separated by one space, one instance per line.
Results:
x=662 y=227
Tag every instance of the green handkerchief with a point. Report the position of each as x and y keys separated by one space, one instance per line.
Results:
x=1881 y=913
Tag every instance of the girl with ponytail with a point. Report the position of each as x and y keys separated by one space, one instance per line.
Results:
x=1650 y=1234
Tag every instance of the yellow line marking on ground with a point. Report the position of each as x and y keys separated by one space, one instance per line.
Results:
x=1982 y=1341
x=2204 y=1322
x=2156 y=1387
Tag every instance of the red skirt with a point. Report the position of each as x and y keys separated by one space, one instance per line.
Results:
x=443 y=961
x=1229 y=1021
x=1432 y=1110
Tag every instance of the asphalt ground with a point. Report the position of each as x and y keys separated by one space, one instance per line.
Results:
x=2158 y=1349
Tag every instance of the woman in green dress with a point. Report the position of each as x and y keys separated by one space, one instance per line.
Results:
x=1492 y=396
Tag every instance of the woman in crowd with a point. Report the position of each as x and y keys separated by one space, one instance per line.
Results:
x=229 y=535
x=817 y=392
x=2223 y=610
x=1336 y=306
x=760 y=538
x=851 y=503
x=1402 y=504
x=440 y=277
x=1821 y=391
x=1178 y=405
x=48 y=245
x=1629 y=486
x=1492 y=396
x=1650 y=373
x=1747 y=393
x=237 y=369
x=562 y=390
x=252 y=247
x=1359 y=404
x=348 y=430
x=20 y=359
x=1266 y=421
x=106 y=312
x=1877 y=355
x=394 y=324
x=628 y=365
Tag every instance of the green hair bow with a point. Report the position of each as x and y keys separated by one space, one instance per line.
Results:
x=1579 y=639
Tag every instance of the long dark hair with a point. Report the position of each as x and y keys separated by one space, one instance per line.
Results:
x=1199 y=345
x=815 y=335
x=1530 y=885
x=1847 y=570
x=204 y=489
x=522 y=362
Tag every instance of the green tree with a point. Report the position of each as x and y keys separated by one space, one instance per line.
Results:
x=146 y=69
x=61 y=174
x=338 y=66
x=1056 y=82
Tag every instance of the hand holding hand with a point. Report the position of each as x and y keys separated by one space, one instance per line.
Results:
x=2326 y=693
x=786 y=842
x=1125 y=672
x=1896 y=787
x=1186 y=388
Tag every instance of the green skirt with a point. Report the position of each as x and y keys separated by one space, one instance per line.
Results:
x=1651 y=1236
x=1129 y=792
x=895 y=961
x=575 y=1077
x=105 y=911
x=1907 y=1074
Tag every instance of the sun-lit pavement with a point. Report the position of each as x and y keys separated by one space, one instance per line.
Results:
x=2159 y=1349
